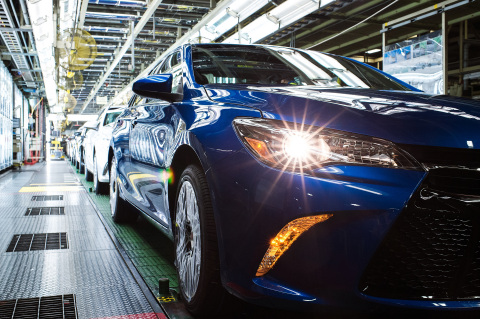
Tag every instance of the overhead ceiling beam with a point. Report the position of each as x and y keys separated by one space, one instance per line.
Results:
x=83 y=12
x=20 y=53
x=146 y=16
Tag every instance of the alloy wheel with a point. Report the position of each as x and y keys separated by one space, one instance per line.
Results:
x=188 y=237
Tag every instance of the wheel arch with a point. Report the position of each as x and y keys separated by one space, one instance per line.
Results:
x=184 y=156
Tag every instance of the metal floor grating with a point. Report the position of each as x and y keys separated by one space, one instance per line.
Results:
x=35 y=211
x=41 y=198
x=54 y=307
x=31 y=242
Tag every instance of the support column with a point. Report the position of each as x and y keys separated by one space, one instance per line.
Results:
x=384 y=40
x=132 y=27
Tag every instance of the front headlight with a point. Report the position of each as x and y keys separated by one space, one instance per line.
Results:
x=303 y=148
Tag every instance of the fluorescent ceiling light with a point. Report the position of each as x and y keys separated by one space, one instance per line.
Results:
x=292 y=10
x=41 y=15
x=279 y=17
x=254 y=31
x=373 y=51
x=237 y=12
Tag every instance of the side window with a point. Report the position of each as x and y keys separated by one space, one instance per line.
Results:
x=111 y=117
x=156 y=70
x=166 y=65
x=176 y=70
x=173 y=65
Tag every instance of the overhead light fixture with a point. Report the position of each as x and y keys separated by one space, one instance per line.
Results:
x=279 y=17
x=293 y=10
x=237 y=11
x=41 y=14
x=373 y=51
x=254 y=31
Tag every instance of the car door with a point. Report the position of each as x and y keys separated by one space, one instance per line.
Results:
x=102 y=138
x=121 y=149
x=150 y=139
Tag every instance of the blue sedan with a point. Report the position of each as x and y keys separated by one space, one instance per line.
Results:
x=298 y=179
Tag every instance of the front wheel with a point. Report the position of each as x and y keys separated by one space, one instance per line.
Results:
x=88 y=175
x=81 y=164
x=121 y=211
x=196 y=248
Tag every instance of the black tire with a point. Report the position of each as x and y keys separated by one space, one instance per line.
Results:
x=88 y=175
x=121 y=211
x=81 y=165
x=207 y=296
x=98 y=187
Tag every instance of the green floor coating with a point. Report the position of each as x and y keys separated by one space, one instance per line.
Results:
x=150 y=251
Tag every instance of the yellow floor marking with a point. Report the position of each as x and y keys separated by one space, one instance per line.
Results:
x=50 y=188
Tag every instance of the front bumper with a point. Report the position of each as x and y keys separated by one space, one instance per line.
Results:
x=325 y=266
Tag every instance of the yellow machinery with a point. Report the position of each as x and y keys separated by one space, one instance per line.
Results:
x=56 y=150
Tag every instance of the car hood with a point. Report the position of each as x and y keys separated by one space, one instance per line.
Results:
x=401 y=117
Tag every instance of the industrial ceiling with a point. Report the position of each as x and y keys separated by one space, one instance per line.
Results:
x=130 y=35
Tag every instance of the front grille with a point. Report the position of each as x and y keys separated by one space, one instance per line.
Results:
x=444 y=156
x=433 y=248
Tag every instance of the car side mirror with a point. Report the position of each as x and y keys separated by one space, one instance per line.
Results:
x=157 y=86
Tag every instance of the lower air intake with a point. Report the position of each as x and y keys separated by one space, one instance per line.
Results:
x=433 y=248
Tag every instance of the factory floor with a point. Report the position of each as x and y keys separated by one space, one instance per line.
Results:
x=59 y=258
x=62 y=256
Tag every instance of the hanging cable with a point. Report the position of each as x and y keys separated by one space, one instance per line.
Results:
x=33 y=110
x=353 y=26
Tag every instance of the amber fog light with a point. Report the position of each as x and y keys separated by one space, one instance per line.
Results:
x=285 y=238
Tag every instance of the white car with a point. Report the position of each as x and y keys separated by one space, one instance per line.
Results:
x=95 y=150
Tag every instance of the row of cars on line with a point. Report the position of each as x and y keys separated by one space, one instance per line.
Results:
x=88 y=148
x=292 y=178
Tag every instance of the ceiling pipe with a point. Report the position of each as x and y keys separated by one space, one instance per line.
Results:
x=146 y=16
x=132 y=17
x=110 y=16
x=132 y=27
x=83 y=11
x=105 y=29
x=120 y=3
x=142 y=4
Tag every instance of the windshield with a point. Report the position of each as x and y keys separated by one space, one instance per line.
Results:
x=250 y=64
